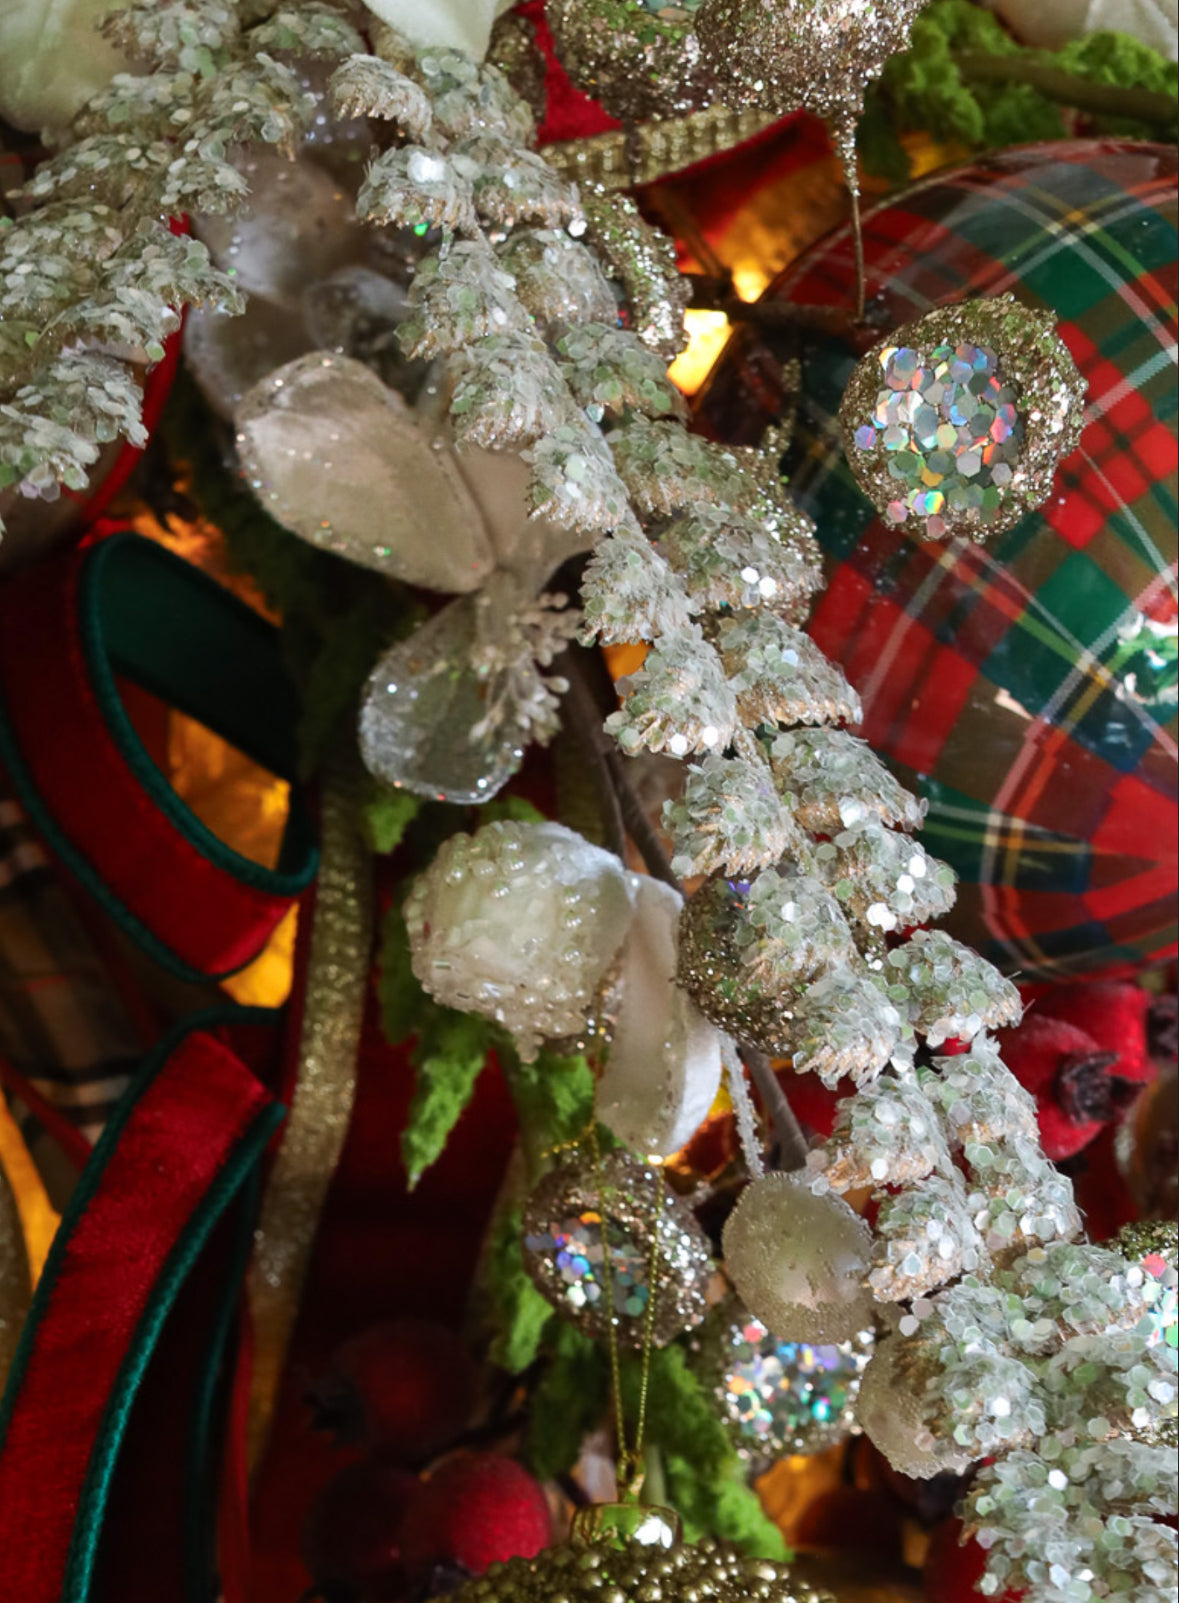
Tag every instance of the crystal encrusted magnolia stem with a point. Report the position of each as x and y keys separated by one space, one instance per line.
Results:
x=795 y=941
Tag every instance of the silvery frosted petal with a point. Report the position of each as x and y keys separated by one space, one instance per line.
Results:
x=519 y=922
x=663 y=1069
x=297 y=226
x=229 y=355
x=356 y=312
x=340 y=460
x=424 y=702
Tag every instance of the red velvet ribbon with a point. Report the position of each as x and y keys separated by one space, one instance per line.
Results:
x=75 y=778
x=160 y=1178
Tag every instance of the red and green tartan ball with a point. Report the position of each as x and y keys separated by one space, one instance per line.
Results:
x=1027 y=690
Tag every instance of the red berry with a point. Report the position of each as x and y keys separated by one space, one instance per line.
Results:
x=954 y=1568
x=476 y=1510
x=406 y=1387
x=1077 y=1086
x=352 y=1539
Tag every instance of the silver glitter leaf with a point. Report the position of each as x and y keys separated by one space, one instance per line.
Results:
x=888 y=1134
x=780 y=675
x=487 y=105
x=950 y=991
x=730 y=559
x=834 y=781
x=729 y=820
x=845 y=1025
x=924 y=1238
x=574 y=485
x=366 y=86
x=678 y=700
x=514 y=185
x=557 y=279
x=507 y=391
x=629 y=593
x=666 y=469
x=412 y=187
x=611 y=372
x=460 y=295
x=884 y=879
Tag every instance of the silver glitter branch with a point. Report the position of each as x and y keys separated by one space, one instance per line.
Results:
x=95 y=263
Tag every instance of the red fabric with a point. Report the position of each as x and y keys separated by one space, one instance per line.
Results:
x=210 y=919
x=568 y=113
x=143 y=1559
x=382 y=1252
x=97 y=1288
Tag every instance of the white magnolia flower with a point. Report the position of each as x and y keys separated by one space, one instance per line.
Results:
x=1155 y=22
x=461 y=24
x=52 y=59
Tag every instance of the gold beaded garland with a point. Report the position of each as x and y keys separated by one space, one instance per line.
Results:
x=635 y=1572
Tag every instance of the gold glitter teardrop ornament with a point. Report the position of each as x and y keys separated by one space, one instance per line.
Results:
x=638 y=58
x=955 y=424
x=820 y=54
x=628 y=1553
x=563 y=1249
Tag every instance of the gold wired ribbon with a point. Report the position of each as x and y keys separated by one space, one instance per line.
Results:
x=325 y=1085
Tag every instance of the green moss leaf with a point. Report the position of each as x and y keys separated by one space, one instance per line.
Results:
x=520 y=1313
x=450 y=1051
x=387 y=816
x=570 y=1400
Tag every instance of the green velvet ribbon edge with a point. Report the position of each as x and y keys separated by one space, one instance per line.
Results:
x=150 y=645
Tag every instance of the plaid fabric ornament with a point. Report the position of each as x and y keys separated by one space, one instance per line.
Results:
x=1027 y=690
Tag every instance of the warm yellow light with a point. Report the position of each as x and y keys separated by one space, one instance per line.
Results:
x=707 y=333
x=38 y=1217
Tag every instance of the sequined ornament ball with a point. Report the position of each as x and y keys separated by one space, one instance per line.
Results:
x=777 y=1397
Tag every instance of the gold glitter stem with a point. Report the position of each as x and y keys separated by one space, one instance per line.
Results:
x=333 y=1011
x=843 y=137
